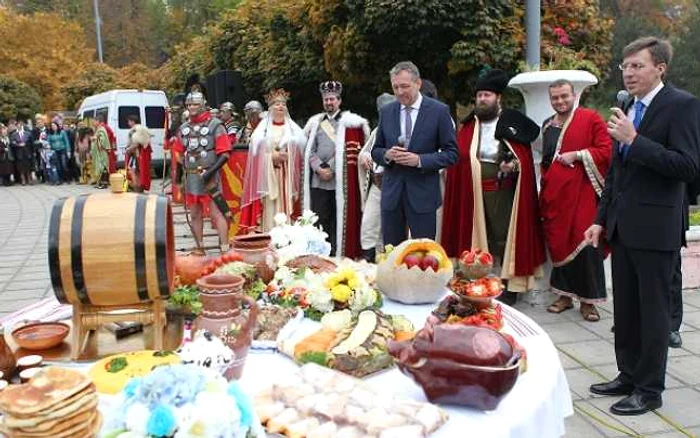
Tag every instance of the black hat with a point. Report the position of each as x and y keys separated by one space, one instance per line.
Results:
x=495 y=80
x=514 y=125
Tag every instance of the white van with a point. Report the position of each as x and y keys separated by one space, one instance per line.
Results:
x=117 y=105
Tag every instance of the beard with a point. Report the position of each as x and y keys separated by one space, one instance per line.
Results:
x=487 y=113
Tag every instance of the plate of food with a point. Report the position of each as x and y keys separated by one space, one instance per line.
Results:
x=274 y=322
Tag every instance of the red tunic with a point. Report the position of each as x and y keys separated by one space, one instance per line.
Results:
x=569 y=196
x=459 y=207
x=354 y=139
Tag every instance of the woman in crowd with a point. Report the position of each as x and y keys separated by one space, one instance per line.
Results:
x=7 y=165
x=39 y=136
x=83 y=140
x=275 y=161
x=60 y=145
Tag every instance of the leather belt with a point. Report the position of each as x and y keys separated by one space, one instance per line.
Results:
x=495 y=184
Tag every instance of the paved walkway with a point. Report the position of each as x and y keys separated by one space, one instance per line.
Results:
x=586 y=349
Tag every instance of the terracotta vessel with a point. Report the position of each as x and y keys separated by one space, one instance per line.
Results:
x=459 y=365
x=7 y=359
x=257 y=250
x=229 y=314
x=189 y=267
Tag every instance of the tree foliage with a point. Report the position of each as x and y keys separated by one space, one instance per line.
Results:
x=17 y=99
x=43 y=50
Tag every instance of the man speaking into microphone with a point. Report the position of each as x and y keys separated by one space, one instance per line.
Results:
x=415 y=139
x=656 y=150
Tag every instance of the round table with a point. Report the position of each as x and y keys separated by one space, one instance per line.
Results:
x=535 y=408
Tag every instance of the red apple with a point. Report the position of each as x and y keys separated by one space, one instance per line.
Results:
x=413 y=259
x=430 y=261
x=485 y=258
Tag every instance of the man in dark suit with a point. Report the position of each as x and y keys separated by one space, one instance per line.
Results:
x=415 y=139
x=656 y=150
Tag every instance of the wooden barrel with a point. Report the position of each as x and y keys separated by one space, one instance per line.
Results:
x=111 y=249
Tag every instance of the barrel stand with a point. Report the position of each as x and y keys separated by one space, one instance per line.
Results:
x=88 y=318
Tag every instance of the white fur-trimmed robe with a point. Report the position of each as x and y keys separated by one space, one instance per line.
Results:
x=347 y=120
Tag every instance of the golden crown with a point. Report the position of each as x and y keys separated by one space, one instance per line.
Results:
x=277 y=94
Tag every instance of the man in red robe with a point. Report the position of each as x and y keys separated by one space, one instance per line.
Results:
x=331 y=182
x=491 y=193
x=138 y=147
x=576 y=156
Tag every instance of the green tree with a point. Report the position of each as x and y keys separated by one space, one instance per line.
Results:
x=96 y=78
x=17 y=99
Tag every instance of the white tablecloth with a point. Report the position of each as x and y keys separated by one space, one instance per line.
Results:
x=535 y=408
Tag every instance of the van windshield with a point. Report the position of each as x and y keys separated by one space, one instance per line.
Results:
x=155 y=117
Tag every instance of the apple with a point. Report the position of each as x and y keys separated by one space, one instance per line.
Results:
x=413 y=259
x=430 y=261
x=485 y=258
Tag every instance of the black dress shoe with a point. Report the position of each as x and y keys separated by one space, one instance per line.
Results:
x=509 y=298
x=613 y=387
x=674 y=340
x=636 y=404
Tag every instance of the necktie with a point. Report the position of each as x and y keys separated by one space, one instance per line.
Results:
x=409 y=123
x=638 y=114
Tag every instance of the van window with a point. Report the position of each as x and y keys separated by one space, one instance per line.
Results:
x=102 y=111
x=155 y=117
x=126 y=111
x=89 y=114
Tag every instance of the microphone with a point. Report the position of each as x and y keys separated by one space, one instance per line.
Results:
x=401 y=141
x=622 y=98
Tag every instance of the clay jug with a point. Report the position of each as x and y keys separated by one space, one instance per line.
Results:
x=257 y=250
x=223 y=315
x=7 y=359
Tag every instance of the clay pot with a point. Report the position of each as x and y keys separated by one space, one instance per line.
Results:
x=189 y=267
x=256 y=250
x=224 y=315
x=7 y=359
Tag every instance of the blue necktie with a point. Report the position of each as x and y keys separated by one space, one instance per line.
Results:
x=638 y=113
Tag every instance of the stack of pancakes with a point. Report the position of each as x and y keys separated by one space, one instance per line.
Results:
x=56 y=402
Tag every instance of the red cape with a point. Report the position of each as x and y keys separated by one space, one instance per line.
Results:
x=459 y=207
x=569 y=196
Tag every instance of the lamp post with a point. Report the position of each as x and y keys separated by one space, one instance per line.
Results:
x=98 y=32
x=532 y=30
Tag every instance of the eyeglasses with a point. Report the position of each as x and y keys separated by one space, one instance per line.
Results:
x=636 y=66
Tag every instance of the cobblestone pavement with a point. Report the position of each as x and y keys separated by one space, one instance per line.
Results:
x=585 y=349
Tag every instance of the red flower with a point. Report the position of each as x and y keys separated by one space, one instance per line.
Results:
x=562 y=36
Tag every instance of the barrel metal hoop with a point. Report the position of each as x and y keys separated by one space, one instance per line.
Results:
x=54 y=262
x=161 y=245
x=76 y=253
x=140 y=247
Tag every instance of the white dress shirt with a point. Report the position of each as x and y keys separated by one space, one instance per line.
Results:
x=414 y=116
x=646 y=100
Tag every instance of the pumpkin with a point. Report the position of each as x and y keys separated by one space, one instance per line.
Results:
x=413 y=285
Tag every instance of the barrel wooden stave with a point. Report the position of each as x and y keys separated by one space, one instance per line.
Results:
x=111 y=249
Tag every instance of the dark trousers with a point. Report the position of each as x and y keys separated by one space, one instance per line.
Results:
x=62 y=165
x=677 y=295
x=396 y=223
x=642 y=298
x=323 y=204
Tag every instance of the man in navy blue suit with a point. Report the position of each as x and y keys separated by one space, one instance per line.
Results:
x=415 y=139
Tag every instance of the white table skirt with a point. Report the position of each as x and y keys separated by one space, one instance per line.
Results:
x=535 y=408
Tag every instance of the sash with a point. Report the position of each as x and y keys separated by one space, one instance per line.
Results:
x=328 y=129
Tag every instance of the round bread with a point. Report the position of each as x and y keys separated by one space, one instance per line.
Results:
x=45 y=389
x=138 y=364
